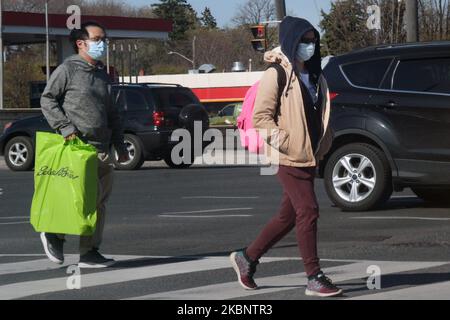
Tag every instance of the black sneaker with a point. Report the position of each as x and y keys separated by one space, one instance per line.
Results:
x=245 y=269
x=94 y=260
x=321 y=286
x=53 y=246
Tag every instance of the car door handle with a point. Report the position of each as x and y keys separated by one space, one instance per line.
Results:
x=390 y=105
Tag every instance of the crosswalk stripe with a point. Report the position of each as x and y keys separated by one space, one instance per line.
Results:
x=24 y=289
x=45 y=264
x=356 y=269
x=273 y=284
x=435 y=291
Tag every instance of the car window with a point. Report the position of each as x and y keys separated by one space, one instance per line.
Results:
x=119 y=99
x=228 y=110
x=368 y=73
x=423 y=75
x=174 y=97
x=135 y=100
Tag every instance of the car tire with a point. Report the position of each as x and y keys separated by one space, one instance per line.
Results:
x=134 y=147
x=19 y=154
x=168 y=160
x=433 y=195
x=367 y=186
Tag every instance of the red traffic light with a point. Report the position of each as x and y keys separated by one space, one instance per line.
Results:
x=259 y=41
x=259 y=32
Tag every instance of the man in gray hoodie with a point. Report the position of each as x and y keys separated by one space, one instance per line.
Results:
x=77 y=102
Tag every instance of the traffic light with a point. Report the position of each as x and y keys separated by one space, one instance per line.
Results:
x=259 y=41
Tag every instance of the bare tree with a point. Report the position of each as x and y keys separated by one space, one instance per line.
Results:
x=254 y=12
x=434 y=16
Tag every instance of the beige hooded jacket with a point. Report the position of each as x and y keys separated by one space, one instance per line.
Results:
x=287 y=140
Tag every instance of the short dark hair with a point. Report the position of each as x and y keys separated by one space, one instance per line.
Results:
x=82 y=33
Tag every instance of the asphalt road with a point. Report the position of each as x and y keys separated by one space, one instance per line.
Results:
x=172 y=231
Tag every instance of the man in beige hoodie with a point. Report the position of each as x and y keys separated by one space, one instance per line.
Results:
x=297 y=134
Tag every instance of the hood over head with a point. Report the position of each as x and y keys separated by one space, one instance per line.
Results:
x=292 y=30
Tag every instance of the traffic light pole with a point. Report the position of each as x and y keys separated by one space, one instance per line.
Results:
x=411 y=18
x=281 y=9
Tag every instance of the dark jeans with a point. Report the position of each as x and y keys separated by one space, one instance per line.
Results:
x=298 y=209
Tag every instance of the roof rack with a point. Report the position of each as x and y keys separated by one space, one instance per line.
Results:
x=149 y=84
x=160 y=84
x=401 y=45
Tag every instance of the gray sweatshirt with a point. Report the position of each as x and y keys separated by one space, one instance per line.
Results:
x=77 y=99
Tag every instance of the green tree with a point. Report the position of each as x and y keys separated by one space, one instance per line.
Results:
x=181 y=13
x=345 y=27
x=208 y=20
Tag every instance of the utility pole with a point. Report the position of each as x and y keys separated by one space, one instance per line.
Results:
x=193 y=52
x=47 y=42
x=412 y=21
x=281 y=9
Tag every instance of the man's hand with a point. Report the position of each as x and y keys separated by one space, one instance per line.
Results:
x=71 y=137
x=123 y=158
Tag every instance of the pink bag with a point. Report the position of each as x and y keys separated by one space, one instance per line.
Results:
x=250 y=139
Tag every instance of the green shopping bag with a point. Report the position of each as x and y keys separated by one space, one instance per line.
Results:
x=65 y=186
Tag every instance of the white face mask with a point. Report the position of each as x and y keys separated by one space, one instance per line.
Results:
x=305 y=51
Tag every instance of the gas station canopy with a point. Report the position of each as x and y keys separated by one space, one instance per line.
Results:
x=27 y=28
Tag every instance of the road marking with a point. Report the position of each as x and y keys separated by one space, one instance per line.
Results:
x=209 y=216
x=214 y=197
x=231 y=290
x=192 y=264
x=435 y=291
x=44 y=264
x=400 y=218
x=184 y=265
x=24 y=289
x=10 y=223
x=22 y=255
x=11 y=218
x=206 y=211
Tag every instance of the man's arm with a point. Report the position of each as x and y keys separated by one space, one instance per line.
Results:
x=115 y=124
x=50 y=102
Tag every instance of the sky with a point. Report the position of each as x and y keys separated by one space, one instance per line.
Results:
x=225 y=10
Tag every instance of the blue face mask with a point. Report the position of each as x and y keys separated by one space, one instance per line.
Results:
x=96 y=49
x=305 y=51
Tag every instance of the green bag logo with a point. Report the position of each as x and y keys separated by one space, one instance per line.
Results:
x=63 y=172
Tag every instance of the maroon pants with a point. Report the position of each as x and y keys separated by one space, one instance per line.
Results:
x=298 y=209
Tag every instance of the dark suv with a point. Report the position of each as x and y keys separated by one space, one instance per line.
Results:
x=391 y=116
x=150 y=113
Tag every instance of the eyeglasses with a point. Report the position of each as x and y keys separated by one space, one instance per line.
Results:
x=309 y=40
x=97 y=39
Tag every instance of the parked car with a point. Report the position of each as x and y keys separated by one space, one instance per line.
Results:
x=150 y=113
x=227 y=115
x=391 y=117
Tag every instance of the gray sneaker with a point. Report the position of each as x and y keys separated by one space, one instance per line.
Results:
x=245 y=269
x=53 y=246
x=94 y=260
x=321 y=286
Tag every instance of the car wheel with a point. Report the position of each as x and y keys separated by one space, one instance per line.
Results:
x=135 y=152
x=168 y=160
x=358 y=177
x=19 y=154
x=433 y=195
